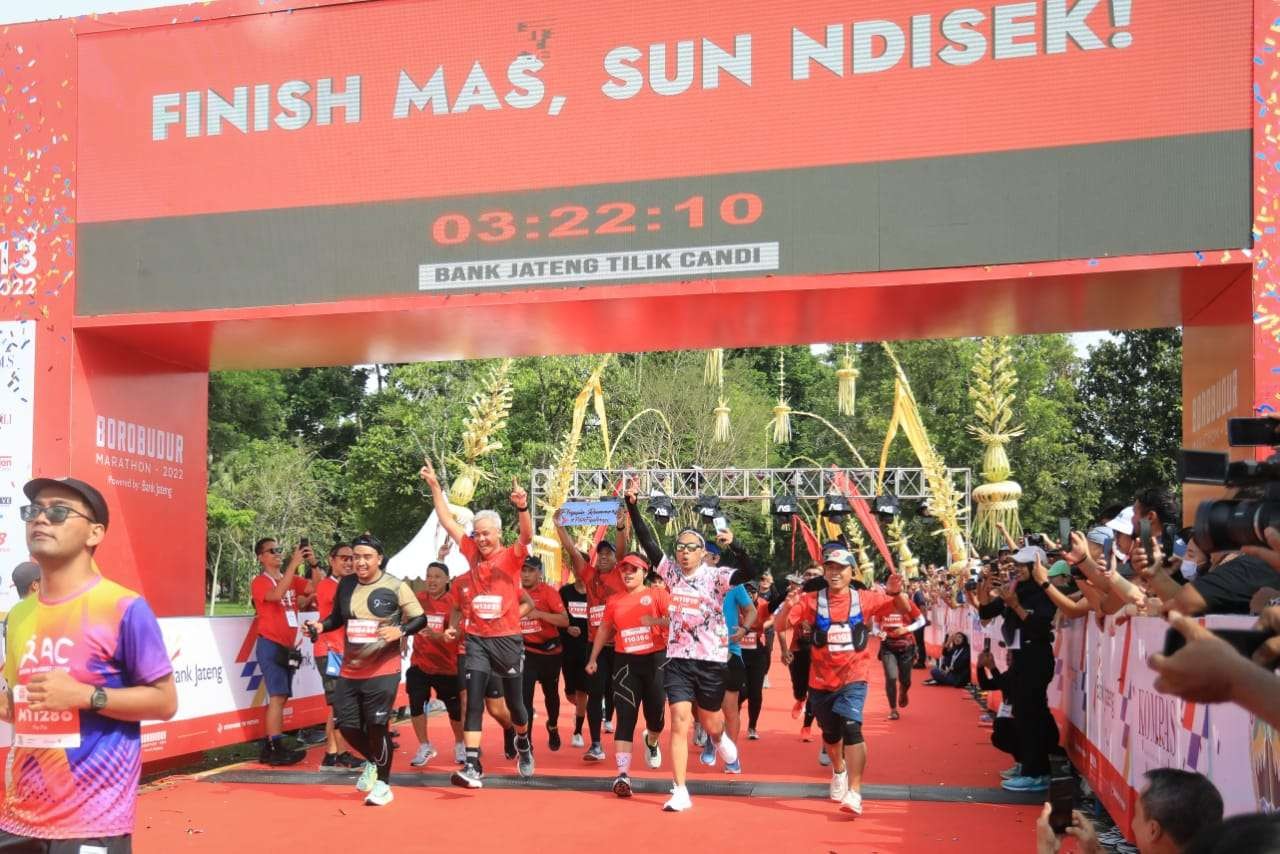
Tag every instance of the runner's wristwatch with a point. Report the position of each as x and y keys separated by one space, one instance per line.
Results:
x=98 y=700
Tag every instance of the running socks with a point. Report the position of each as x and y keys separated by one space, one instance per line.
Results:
x=624 y=762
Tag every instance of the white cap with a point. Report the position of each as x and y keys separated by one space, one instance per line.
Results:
x=1030 y=554
x=1123 y=524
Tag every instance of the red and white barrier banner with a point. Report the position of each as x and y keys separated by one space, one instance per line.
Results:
x=222 y=697
x=1116 y=726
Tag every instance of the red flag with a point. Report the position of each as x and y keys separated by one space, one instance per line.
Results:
x=810 y=539
x=866 y=517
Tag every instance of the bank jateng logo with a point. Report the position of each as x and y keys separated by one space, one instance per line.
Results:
x=250 y=671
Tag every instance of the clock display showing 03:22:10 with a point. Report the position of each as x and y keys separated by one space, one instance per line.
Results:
x=607 y=219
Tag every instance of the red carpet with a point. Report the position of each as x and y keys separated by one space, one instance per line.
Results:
x=936 y=743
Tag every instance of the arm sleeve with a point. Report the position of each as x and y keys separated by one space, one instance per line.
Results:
x=991 y=610
x=141 y=651
x=341 y=605
x=409 y=604
x=743 y=562
x=644 y=534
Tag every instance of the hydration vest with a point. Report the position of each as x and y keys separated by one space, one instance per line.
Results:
x=850 y=636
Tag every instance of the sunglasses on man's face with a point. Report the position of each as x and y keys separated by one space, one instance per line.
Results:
x=688 y=547
x=55 y=513
x=276 y=551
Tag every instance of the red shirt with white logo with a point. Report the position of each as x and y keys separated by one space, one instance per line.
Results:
x=274 y=617
x=491 y=602
x=326 y=590
x=626 y=615
x=899 y=620
x=754 y=640
x=436 y=656
x=601 y=587
x=835 y=665
x=546 y=599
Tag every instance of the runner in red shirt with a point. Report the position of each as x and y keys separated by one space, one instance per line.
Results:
x=636 y=622
x=492 y=605
x=543 y=651
x=327 y=653
x=602 y=582
x=897 y=655
x=434 y=666
x=840 y=663
x=277 y=597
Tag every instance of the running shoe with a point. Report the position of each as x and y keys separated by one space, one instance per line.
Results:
x=708 y=755
x=312 y=737
x=332 y=762
x=368 y=776
x=1014 y=770
x=797 y=709
x=380 y=796
x=346 y=760
x=436 y=707
x=595 y=754
x=622 y=785
x=652 y=752
x=524 y=749
x=576 y=740
x=1126 y=848
x=1026 y=784
x=608 y=726
x=823 y=759
x=424 y=755
x=752 y=735
x=893 y=714
x=699 y=735
x=852 y=802
x=679 y=800
x=766 y=682
x=986 y=718
x=806 y=733
x=509 y=743
x=467 y=777
x=839 y=785
x=1111 y=838
x=553 y=738
x=727 y=749
x=734 y=767
x=931 y=682
x=279 y=756
x=460 y=754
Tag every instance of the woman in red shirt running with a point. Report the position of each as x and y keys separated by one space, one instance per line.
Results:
x=634 y=622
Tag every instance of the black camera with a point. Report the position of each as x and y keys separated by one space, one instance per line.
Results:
x=1228 y=524
x=295 y=659
x=1035 y=540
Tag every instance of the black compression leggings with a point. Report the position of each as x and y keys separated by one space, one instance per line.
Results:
x=799 y=668
x=757 y=664
x=542 y=670
x=599 y=690
x=512 y=692
x=637 y=684
x=373 y=744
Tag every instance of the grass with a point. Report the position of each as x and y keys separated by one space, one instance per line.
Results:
x=231 y=609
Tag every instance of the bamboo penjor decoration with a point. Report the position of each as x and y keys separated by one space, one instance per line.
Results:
x=782 y=409
x=713 y=374
x=846 y=383
x=908 y=564
x=486 y=416
x=992 y=393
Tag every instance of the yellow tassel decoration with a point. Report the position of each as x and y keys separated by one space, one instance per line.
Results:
x=713 y=371
x=992 y=389
x=846 y=384
x=782 y=411
x=721 y=430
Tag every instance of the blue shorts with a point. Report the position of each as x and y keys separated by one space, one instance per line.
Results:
x=273 y=660
x=833 y=708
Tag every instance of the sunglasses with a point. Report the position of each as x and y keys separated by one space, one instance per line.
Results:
x=55 y=513
x=276 y=551
x=688 y=547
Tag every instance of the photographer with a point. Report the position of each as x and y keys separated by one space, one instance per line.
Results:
x=1028 y=633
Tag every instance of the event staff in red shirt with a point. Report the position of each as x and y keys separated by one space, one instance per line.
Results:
x=603 y=582
x=327 y=652
x=840 y=618
x=635 y=622
x=433 y=666
x=277 y=597
x=542 y=647
x=492 y=605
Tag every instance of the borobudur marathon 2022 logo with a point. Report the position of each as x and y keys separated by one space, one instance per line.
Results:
x=140 y=457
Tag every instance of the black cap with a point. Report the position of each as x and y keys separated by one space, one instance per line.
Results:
x=369 y=540
x=605 y=544
x=440 y=564
x=533 y=562
x=92 y=497
x=24 y=575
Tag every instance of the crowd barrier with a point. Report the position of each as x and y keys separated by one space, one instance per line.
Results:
x=1116 y=726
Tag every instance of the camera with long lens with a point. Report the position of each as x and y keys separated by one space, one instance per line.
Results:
x=1227 y=524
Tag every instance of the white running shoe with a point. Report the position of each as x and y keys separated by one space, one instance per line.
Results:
x=727 y=749
x=436 y=707
x=699 y=735
x=424 y=755
x=577 y=741
x=368 y=776
x=839 y=785
x=460 y=753
x=766 y=682
x=380 y=796
x=679 y=800
x=852 y=802
x=823 y=759
x=608 y=726
x=652 y=753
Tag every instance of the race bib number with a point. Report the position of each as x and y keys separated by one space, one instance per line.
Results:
x=840 y=638
x=43 y=728
x=636 y=640
x=435 y=622
x=362 y=631
x=488 y=606
x=530 y=627
x=686 y=602
x=577 y=610
x=749 y=641
x=597 y=616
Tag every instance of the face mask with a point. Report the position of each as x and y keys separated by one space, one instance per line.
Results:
x=1190 y=569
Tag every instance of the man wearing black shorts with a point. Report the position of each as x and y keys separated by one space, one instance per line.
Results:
x=576 y=651
x=377 y=611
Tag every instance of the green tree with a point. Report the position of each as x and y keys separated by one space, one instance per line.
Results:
x=1131 y=387
x=244 y=405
